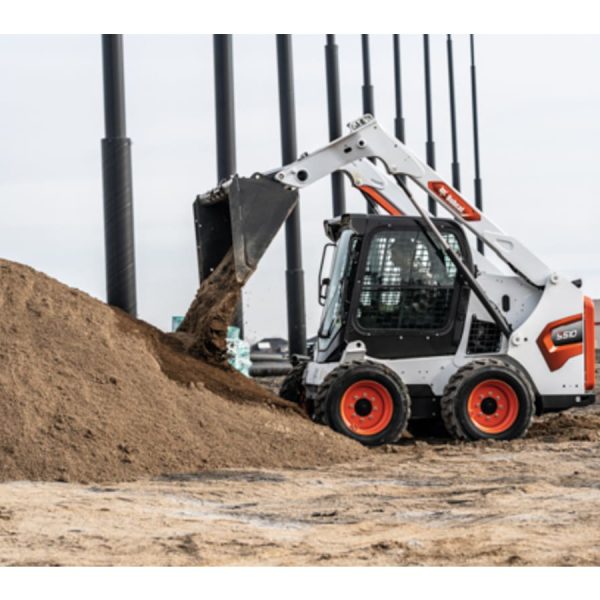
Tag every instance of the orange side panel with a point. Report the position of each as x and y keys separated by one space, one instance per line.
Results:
x=381 y=201
x=557 y=356
x=589 y=342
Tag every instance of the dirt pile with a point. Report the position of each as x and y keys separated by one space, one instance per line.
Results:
x=577 y=425
x=573 y=426
x=89 y=394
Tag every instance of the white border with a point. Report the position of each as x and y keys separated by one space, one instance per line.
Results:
x=295 y=583
x=304 y=16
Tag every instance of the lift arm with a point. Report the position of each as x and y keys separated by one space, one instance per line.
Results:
x=367 y=140
x=384 y=191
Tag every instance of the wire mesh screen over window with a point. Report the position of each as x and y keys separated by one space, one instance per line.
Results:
x=407 y=284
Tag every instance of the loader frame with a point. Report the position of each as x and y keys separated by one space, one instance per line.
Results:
x=545 y=322
x=538 y=296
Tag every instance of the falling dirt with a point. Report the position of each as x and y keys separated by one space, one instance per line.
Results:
x=89 y=394
x=204 y=328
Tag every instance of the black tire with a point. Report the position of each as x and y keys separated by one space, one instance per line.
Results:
x=428 y=428
x=509 y=412
x=293 y=390
x=292 y=387
x=385 y=414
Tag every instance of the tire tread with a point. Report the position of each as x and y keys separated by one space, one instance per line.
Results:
x=321 y=399
x=291 y=387
x=455 y=382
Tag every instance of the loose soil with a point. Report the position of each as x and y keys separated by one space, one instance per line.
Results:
x=229 y=474
x=89 y=394
x=530 y=502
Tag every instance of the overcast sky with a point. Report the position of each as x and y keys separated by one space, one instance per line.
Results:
x=539 y=106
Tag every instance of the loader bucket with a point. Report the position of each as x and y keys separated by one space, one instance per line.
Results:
x=243 y=214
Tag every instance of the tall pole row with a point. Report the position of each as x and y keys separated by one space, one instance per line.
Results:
x=477 y=182
x=455 y=163
x=334 y=110
x=429 y=145
x=294 y=273
x=117 y=182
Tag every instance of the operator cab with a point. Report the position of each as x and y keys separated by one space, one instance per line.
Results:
x=392 y=287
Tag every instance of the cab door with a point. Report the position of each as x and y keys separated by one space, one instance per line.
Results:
x=409 y=300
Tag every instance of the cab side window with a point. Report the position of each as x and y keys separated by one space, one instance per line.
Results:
x=407 y=283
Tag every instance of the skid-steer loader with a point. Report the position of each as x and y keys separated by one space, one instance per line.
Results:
x=418 y=328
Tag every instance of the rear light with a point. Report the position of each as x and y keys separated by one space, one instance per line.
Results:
x=589 y=343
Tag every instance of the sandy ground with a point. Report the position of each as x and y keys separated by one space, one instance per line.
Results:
x=88 y=394
x=529 y=502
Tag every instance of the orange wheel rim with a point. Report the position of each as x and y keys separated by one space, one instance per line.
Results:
x=366 y=407
x=493 y=406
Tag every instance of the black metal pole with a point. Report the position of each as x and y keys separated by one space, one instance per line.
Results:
x=429 y=145
x=294 y=273
x=477 y=182
x=368 y=100
x=399 y=119
x=224 y=105
x=455 y=163
x=334 y=110
x=225 y=125
x=367 y=87
x=117 y=183
x=399 y=130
